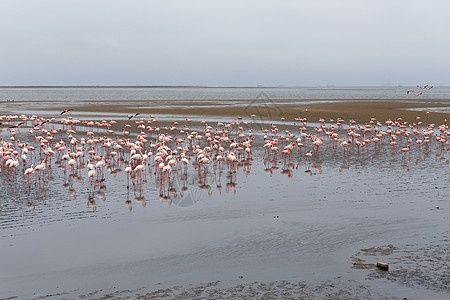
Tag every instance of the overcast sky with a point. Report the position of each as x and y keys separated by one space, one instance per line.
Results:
x=226 y=43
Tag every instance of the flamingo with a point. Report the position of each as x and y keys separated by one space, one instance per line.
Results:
x=309 y=154
x=91 y=175
x=138 y=170
x=39 y=168
x=308 y=160
x=16 y=126
x=71 y=163
x=133 y=116
x=128 y=171
x=344 y=144
x=28 y=172
x=99 y=165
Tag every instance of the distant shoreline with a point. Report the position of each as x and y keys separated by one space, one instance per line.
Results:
x=132 y=86
x=193 y=86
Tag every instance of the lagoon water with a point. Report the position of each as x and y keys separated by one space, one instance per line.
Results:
x=268 y=230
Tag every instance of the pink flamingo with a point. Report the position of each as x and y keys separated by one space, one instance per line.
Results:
x=28 y=172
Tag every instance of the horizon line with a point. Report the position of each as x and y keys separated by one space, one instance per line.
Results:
x=195 y=86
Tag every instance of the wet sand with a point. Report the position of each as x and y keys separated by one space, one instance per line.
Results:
x=313 y=235
x=359 y=110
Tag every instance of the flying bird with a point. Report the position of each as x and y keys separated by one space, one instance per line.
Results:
x=133 y=116
x=17 y=125
x=409 y=91
x=65 y=111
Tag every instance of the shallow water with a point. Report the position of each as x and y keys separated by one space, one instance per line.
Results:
x=267 y=222
x=183 y=94
x=47 y=98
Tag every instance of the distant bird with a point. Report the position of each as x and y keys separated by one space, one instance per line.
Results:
x=418 y=94
x=65 y=111
x=133 y=116
x=17 y=125
x=423 y=87
x=409 y=91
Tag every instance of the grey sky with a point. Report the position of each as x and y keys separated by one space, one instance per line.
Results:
x=237 y=43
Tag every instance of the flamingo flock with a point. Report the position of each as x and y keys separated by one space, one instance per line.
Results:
x=141 y=149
